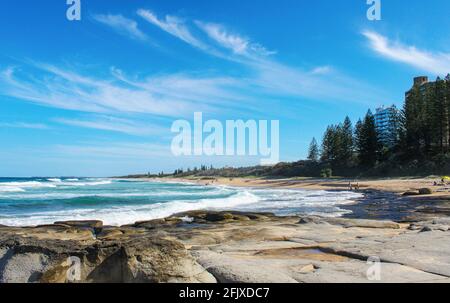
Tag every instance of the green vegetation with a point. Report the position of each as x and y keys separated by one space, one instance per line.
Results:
x=421 y=143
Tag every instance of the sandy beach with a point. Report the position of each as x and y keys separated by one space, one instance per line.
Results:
x=397 y=185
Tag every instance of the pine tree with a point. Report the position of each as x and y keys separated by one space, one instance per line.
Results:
x=441 y=118
x=367 y=140
x=313 y=154
x=328 y=143
x=413 y=122
x=347 y=142
x=447 y=98
x=357 y=137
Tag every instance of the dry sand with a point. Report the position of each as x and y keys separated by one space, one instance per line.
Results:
x=397 y=185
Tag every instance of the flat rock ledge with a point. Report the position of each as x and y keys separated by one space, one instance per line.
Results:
x=222 y=247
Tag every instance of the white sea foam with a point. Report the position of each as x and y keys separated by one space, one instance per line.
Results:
x=128 y=214
x=28 y=184
x=73 y=195
x=10 y=189
x=54 y=180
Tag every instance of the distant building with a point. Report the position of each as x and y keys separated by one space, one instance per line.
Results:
x=421 y=82
x=387 y=125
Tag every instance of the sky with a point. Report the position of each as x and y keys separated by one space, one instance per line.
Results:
x=97 y=97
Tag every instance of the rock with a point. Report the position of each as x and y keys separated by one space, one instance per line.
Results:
x=425 y=191
x=109 y=234
x=217 y=217
x=240 y=218
x=307 y=269
x=426 y=229
x=231 y=270
x=363 y=223
x=119 y=255
x=414 y=227
x=307 y=220
x=205 y=217
x=240 y=247
x=420 y=192
x=23 y=268
x=95 y=225
x=411 y=193
x=158 y=223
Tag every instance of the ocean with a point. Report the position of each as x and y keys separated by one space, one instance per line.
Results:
x=37 y=201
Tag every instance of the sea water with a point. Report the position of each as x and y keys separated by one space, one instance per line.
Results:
x=36 y=201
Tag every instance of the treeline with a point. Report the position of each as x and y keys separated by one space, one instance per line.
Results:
x=189 y=171
x=419 y=143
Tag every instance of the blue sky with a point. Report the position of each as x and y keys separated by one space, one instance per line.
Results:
x=97 y=97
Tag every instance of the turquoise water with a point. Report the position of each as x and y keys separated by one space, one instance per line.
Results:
x=35 y=201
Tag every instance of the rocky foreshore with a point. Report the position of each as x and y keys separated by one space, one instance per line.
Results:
x=203 y=246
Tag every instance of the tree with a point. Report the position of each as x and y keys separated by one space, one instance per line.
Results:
x=346 y=142
x=414 y=122
x=447 y=97
x=313 y=154
x=367 y=141
x=440 y=116
x=328 y=151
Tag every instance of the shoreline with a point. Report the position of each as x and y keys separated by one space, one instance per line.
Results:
x=244 y=247
x=393 y=185
x=383 y=199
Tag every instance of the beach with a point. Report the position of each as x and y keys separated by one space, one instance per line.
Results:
x=394 y=185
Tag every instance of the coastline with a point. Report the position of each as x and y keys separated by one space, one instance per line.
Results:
x=383 y=199
x=393 y=185
x=247 y=247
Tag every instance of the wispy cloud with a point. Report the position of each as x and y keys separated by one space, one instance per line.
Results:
x=266 y=73
x=122 y=25
x=262 y=80
x=114 y=124
x=169 y=96
x=238 y=44
x=322 y=70
x=24 y=125
x=172 y=25
x=432 y=62
x=114 y=150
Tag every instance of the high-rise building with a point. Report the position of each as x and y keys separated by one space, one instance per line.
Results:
x=421 y=82
x=387 y=125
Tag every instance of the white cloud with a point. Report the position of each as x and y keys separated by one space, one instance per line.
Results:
x=24 y=125
x=172 y=25
x=266 y=74
x=122 y=25
x=436 y=63
x=271 y=77
x=322 y=70
x=114 y=124
x=180 y=94
x=238 y=44
x=325 y=85
x=170 y=96
x=115 y=150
